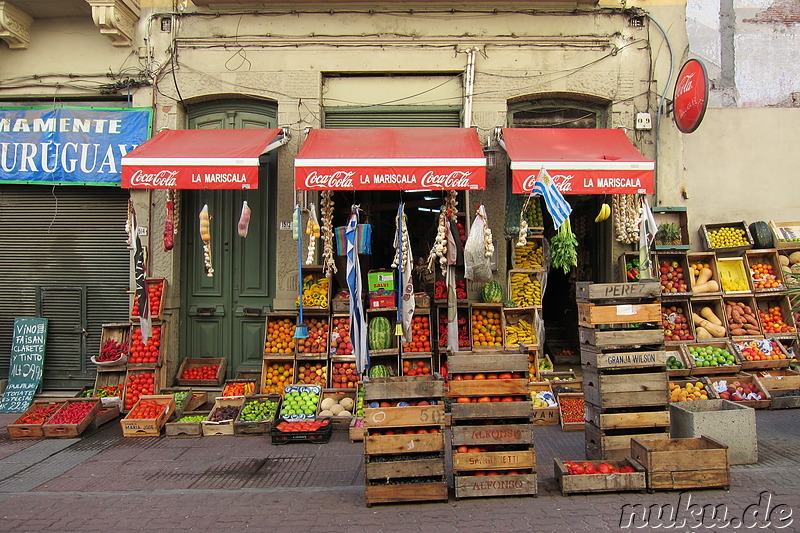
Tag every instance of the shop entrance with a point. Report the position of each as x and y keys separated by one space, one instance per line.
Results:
x=224 y=315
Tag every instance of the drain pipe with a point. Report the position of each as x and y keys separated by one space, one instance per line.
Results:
x=469 y=86
x=661 y=104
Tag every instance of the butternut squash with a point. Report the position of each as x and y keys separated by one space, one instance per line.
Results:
x=708 y=286
x=703 y=276
x=713 y=329
x=708 y=314
x=702 y=333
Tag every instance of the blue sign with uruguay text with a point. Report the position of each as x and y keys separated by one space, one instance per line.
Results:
x=69 y=145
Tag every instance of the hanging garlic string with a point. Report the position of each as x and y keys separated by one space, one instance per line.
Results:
x=403 y=246
x=488 y=243
x=313 y=232
x=326 y=210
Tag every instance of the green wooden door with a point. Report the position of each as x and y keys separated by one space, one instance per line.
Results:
x=224 y=315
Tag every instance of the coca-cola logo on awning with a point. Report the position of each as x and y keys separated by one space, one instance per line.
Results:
x=340 y=179
x=162 y=178
x=457 y=179
x=562 y=182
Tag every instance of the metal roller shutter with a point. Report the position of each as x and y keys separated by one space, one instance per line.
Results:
x=393 y=117
x=63 y=256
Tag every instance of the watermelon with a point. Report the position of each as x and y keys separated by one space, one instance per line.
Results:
x=380 y=371
x=380 y=333
x=492 y=292
x=762 y=235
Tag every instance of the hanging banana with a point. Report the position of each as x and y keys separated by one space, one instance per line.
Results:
x=605 y=212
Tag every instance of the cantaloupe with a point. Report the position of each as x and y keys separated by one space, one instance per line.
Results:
x=327 y=403
x=336 y=409
x=347 y=403
x=794 y=257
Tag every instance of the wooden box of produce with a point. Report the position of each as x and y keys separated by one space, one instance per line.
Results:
x=618 y=339
x=381 y=490
x=615 y=444
x=521 y=482
x=492 y=434
x=503 y=385
x=189 y=425
x=156 y=294
x=775 y=315
x=678 y=365
x=525 y=288
x=381 y=332
x=421 y=343
x=494 y=460
x=591 y=315
x=703 y=274
x=109 y=386
x=617 y=476
x=571 y=411
x=691 y=389
x=629 y=267
x=220 y=419
x=403 y=416
x=734 y=276
x=544 y=412
x=147 y=355
x=520 y=328
x=487 y=326
x=72 y=418
x=474 y=409
x=339 y=406
x=726 y=236
x=357 y=430
x=604 y=360
x=474 y=363
x=311 y=372
x=672 y=228
x=380 y=441
x=744 y=389
x=139 y=383
x=104 y=415
x=766 y=275
x=673 y=273
x=741 y=316
x=682 y=464
x=276 y=374
x=29 y=423
x=316 y=345
x=787 y=234
x=114 y=345
x=135 y=425
x=706 y=358
x=182 y=396
x=761 y=353
x=600 y=292
x=530 y=256
x=424 y=387
x=279 y=334
x=201 y=367
x=782 y=385
x=708 y=319
x=257 y=414
x=239 y=387
x=316 y=288
x=656 y=416
x=625 y=388
x=317 y=431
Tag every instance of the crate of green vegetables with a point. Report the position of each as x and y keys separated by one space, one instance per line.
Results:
x=257 y=414
x=187 y=425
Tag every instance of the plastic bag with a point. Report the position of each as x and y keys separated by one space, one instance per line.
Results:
x=477 y=266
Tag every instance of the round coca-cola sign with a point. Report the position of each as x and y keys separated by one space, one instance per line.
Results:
x=690 y=97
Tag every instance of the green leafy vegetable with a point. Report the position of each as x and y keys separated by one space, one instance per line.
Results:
x=564 y=248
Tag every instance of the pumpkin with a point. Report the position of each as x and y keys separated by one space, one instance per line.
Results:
x=762 y=235
x=380 y=333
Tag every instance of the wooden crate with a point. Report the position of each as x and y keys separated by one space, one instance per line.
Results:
x=357 y=432
x=406 y=388
x=158 y=334
x=313 y=299
x=286 y=339
x=710 y=392
x=492 y=434
x=156 y=381
x=716 y=305
x=266 y=367
x=767 y=257
x=498 y=484
x=152 y=284
x=119 y=332
x=526 y=319
x=620 y=339
x=488 y=387
x=765 y=364
x=533 y=243
x=628 y=389
x=629 y=292
x=782 y=386
x=185 y=430
x=617 y=482
x=472 y=363
x=570 y=397
x=643 y=358
x=677 y=353
x=406 y=492
x=413 y=416
x=491 y=410
x=609 y=444
x=787 y=234
x=711 y=370
x=708 y=260
x=671 y=259
x=247 y=383
x=706 y=228
x=375 y=444
x=224 y=427
x=683 y=464
x=148 y=427
x=590 y=314
x=543 y=416
x=765 y=303
x=104 y=415
x=627 y=418
x=495 y=309
x=192 y=362
x=499 y=460
x=746 y=378
x=340 y=422
x=733 y=270
x=256 y=427
x=19 y=431
x=674 y=215
x=519 y=282
x=624 y=260
x=51 y=430
x=322 y=348
x=410 y=467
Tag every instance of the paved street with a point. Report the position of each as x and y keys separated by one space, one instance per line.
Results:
x=104 y=482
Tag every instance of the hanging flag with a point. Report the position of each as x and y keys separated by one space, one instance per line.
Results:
x=557 y=206
x=358 y=323
x=405 y=264
x=140 y=277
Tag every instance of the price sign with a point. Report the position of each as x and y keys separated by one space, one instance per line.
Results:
x=27 y=363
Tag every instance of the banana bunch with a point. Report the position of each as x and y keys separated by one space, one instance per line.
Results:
x=524 y=291
x=520 y=333
x=529 y=255
x=605 y=212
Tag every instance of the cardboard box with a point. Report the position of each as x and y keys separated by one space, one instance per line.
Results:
x=380 y=280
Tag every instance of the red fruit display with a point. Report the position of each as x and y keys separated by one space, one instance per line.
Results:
x=138 y=385
x=317 y=340
x=341 y=343
x=141 y=353
x=672 y=277
x=675 y=323
x=147 y=409
x=344 y=375
x=201 y=372
x=463 y=331
x=154 y=292
x=440 y=290
x=420 y=335
x=312 y=373
x=72 y=413
x=416 y=368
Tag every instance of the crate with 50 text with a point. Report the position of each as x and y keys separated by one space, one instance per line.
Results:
x=148 y=416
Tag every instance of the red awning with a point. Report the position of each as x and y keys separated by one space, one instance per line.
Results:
x=391 y=159
x=581 y=161
x=198 y=159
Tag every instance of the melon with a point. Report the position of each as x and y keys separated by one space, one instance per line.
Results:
x=327 y=403
x=762 y=235
x=345 y=413
x=336 y=409
x=347 y=403
x=492 y=292
x=794 y=258
x=325 y=413
x=380 y=333
x=380 y=371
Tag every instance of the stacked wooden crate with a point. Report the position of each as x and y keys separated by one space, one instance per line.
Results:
x=404 y=451
x=492 y=427
x=623 y=359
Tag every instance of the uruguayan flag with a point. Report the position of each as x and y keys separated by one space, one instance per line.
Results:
x=558 y=207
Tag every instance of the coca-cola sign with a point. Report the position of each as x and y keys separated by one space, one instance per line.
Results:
x=690 y=97
x=390 y=178
x=150 y=180
x=457 y=179
x=339 y=179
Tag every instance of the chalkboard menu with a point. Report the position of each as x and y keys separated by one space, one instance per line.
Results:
x=27 y=362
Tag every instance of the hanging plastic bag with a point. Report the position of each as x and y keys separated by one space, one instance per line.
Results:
x=477 y=262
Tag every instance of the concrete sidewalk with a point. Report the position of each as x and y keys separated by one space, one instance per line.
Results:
x=103 y=482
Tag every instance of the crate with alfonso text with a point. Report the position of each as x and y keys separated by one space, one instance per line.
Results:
x=156 y=296
x=29 y=423
x=201 y=372
x=72 y=418
x=148 y=416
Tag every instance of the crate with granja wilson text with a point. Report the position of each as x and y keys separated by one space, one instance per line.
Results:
x=148 y=416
